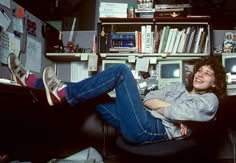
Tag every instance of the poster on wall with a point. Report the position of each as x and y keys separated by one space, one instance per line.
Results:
x=34 y=53
x=6 y=3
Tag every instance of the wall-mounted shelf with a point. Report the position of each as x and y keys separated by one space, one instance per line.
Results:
x=160 y=55
x=160 y=19
x=67 y=56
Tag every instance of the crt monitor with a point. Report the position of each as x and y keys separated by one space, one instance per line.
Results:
x=229 y=62
x=170 y=72
x=108 y=63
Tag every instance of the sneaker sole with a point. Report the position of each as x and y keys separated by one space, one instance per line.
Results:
x=12 y=73
x=47 y=90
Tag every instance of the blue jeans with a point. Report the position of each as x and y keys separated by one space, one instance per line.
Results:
x=126 y=112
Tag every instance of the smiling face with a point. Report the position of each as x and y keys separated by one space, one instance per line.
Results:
x=203 y=80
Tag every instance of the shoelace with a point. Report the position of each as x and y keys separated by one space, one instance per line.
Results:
x=21 y=72
x=54 y=83
x=22 y=75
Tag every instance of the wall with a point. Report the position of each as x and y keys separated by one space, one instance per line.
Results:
x=218 y=38
x=85 y=40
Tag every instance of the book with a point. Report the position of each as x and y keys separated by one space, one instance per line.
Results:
x=172 y=6
x=202 y=42
x=123 y=36
x=113 y=5
x=191 y=37
x=143 y=37
x=168 y=40
x=197 y=39
x=194 y=40
x=139 y=42
x=181 y=42
x=172 y=41
x=144 y=10
x=186 y=41
x=169 y=10
x=122 y=49
x=164 y=39
x=145 y=15
x=157 y=36
x=122 y=43
x=112 y=15
x=148 y=42
x=161 y=39
x=206 y=44
x=112 y=9
x=177 y=40
x=136 y=40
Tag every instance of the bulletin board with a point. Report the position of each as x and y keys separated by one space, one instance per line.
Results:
x=21 y=33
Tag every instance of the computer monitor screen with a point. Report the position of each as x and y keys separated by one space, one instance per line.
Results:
x=230 y=64
x=108 y=63
x=170 y=72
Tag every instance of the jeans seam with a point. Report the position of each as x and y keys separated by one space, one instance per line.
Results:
x=138 y=120
x=82 y=94
x=109 y=112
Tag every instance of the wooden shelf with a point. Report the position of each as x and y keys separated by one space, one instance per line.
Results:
x=66 y=56
x=164 y=55
x=125 y=56
x=77 y=56
x=189 y=18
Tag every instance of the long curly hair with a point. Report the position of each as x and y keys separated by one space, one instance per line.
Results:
x=215 y=63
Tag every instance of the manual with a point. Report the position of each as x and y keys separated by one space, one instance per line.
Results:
x=113 y=4
x=88 y=155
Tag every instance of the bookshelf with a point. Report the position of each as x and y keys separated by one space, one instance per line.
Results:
x=196 y=34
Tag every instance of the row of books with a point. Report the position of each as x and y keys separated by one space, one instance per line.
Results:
x=122 y=41
x=194 y=39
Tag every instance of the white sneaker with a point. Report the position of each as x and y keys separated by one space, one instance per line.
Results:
x=52 y=86
x=18 y=72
